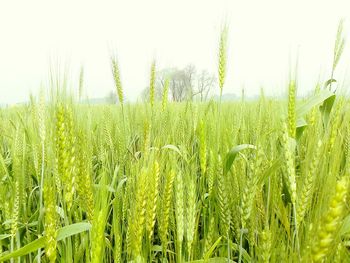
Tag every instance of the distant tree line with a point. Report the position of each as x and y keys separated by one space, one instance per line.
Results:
x=184 y=84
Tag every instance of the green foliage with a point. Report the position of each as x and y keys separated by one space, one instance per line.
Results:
x=161 y=192
x=257 y=181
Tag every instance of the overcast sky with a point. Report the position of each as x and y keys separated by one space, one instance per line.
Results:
x=263 y=36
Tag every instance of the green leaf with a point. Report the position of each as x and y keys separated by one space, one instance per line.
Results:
x=326 y=109
x=232 y=154
x=328 y=82
x=304 y=107
x=121 y=183
x=32 y=246
x=177 y=150
x=235 y=247
x=172 y=147
x=72 y=230
x=211 y=249
x=2 y=237
x=300 y=127
x=270 y=171
x=157 y=248
x=63 y=233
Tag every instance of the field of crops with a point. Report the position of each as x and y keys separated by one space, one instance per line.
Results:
x=244 y=181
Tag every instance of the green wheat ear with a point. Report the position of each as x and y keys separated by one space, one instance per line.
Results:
x=291 y=108
x=50 y=221
x=222 y=57
x=338 y=49
x=152 y=83
x=327 y=230
x=117 y=80
x=339 y=44
x=165 y=94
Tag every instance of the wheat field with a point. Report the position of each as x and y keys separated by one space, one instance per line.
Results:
x=246 y=181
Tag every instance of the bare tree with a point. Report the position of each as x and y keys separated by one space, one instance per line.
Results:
x=190 y=74
x=183 y=83
x=163 y=74
x=205 y=82
x=180 y=84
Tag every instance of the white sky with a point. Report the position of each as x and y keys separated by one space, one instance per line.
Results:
x=263 y=36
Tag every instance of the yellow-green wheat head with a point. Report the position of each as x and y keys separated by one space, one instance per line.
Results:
x=117 y=80
x=222 y=57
